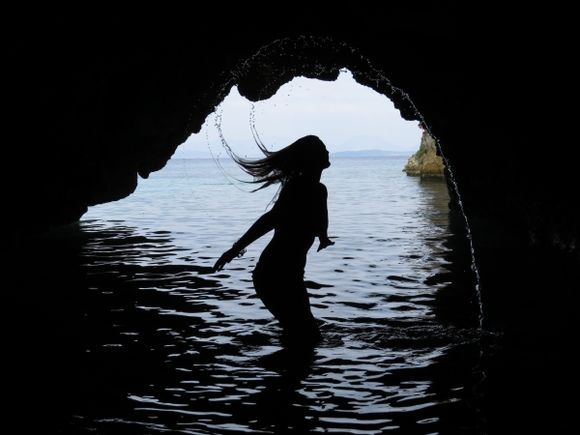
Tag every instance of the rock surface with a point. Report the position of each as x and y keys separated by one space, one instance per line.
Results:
x=425 y=162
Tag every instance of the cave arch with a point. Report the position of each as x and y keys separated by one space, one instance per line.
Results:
x=101 y=97
x=111 y=105
x=261 y=75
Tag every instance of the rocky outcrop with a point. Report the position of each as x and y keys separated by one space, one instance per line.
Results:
x=425 y=162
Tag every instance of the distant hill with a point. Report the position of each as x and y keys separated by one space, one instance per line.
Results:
x=220 y=153
x=369 y=153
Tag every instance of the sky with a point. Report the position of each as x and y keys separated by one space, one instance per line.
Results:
x=344 y=114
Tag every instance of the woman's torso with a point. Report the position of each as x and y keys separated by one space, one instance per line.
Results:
x=298 y=213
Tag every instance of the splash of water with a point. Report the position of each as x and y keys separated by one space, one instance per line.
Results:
x=382 y=82
x=474 y=267
x=218 y=116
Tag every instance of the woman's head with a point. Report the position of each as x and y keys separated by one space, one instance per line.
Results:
x=307 y=155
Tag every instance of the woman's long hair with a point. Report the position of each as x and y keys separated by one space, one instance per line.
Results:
x=282 y=165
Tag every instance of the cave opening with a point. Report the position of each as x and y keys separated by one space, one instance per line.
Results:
x=393 y=228
x=202 y=199
x=148 y=258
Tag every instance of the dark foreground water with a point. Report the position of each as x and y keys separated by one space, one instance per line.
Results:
x=129 y=331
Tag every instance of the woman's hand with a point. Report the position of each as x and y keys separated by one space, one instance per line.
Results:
x=226 y=257
x=324 y=243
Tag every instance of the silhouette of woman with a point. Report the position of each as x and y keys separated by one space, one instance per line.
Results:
x=298 y=216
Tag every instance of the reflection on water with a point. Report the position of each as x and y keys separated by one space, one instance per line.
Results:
x=137 y=335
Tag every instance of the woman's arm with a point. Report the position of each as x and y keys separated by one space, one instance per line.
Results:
x=263 y=225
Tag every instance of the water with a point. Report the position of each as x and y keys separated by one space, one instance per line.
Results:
x=162 y=344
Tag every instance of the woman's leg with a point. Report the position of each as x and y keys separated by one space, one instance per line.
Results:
x=287 y=299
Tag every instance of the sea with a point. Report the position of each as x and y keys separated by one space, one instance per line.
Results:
x=162 y=344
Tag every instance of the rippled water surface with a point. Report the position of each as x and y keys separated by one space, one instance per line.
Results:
x=168 y=346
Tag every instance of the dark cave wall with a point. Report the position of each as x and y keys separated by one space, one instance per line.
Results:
x=100 y=98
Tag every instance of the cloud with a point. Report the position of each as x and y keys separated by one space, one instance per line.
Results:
x=343 y=113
